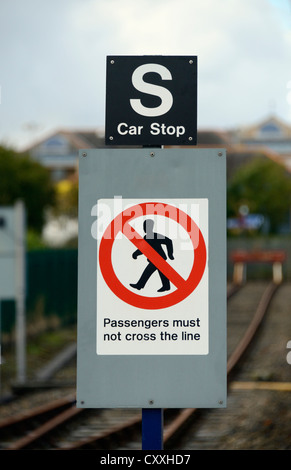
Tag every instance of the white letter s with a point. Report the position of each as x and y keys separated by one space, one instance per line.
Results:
x=156 y=90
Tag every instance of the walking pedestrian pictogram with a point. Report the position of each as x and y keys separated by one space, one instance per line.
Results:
x=155 y=240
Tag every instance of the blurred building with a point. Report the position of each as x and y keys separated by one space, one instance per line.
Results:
x=59 y=151
x=271 y=137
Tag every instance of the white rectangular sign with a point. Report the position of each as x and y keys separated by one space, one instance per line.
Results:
x=152 y=276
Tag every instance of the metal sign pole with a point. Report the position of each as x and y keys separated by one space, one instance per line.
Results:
x=152 y=429
x=152 y=419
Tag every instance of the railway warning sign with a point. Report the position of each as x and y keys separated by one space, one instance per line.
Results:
x=151 y=100
x=152 y=277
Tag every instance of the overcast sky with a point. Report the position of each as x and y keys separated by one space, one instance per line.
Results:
x=53 y=58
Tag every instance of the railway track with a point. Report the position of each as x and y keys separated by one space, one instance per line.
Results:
x=60 y=425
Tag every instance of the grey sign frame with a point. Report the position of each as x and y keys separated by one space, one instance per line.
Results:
x=150 y=381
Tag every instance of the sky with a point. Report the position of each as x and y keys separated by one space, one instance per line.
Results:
x=53 y=59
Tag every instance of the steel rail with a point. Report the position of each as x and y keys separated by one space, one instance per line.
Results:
x=235 y=356
x=106 y=434
x=253 y=326
x=44 y=429
x=38 y=412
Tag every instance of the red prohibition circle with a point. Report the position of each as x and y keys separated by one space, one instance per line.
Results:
x=119 y=224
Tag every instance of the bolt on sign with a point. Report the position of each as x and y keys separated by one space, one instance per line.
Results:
x=151 y=100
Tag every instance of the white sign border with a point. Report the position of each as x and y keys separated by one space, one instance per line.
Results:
x=160 y=334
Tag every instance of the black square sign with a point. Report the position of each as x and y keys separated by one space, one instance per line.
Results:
x=151 y=100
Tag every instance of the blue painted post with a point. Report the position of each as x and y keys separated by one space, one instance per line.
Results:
x=152 y=429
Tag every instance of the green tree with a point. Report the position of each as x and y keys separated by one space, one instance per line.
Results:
x=265 y=187
x=23 y=178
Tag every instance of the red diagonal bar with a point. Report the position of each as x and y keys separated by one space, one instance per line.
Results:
x=161 y=264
